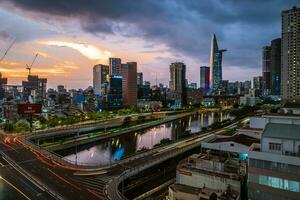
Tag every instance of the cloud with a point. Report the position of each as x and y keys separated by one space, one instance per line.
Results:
x=87 y=50
x=4 y=35
x=242 y=27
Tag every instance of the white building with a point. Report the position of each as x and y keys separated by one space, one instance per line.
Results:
x=238 y=145
x=274 y=165
x=202 y=176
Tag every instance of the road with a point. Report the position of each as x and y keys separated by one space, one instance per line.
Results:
x=158 y=155
x=30 y=175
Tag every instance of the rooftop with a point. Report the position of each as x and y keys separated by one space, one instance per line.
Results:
x=238 y=138
x=204 y=193
x=288 y=131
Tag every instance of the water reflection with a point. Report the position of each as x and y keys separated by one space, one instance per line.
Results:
x=108 y=151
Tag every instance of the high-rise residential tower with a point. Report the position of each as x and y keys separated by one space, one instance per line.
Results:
x=290 y=55
x=216 y=65
x=266 y=69
x=204 y=78
x=115 y=66
x=275 y=66
x=178 y=81
x=129 y=84
x=100 y=76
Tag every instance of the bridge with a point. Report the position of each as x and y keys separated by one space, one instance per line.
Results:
x=105 y=182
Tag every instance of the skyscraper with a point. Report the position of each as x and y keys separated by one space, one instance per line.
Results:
x=216 y=65
x=275 y=66
x=115 y=66
x=290 y=48
x=204 y=78
x=129 y=83
x=139 y=78
x=257 y=85
x=100 y=76
x=114 y=96
x=178 y=81
x=266 y=69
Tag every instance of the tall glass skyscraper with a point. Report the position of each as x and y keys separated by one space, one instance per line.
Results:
x=216 y=65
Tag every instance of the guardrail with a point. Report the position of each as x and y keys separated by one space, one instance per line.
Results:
x=111 y=190
x=32 y=178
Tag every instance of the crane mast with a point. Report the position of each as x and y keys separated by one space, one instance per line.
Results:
x=28 y=67
x=7 y=50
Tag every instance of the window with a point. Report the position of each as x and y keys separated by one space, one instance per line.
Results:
x=275 y=182
x=275 y=146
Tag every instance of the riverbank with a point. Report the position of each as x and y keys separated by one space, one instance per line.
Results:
x=76 y=142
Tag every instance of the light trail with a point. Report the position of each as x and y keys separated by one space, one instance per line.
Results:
x=6 y=181
x=66 y=181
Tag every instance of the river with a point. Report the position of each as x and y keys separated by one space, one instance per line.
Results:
x=108 y=151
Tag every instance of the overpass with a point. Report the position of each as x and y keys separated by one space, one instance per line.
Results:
x=105 y=182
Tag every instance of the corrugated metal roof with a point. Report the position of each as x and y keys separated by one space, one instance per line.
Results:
x=288 y=131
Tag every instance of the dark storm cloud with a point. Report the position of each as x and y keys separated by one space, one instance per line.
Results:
x=242 y=26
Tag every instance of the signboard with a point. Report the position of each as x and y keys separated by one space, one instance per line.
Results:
x=25 y=109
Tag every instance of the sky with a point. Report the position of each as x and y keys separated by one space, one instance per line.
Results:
x=71 y=36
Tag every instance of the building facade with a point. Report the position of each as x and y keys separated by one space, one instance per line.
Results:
x=100 y=76
x=3 y=82
x=34 y=89
x=178 y=81
x=275 y=75
x=257 y=85
x=216 y=55
x=139 y=78
x=266 y=69
x=204 y=78
x=115 y=66
x=129 y=84
x=290 y=55
x=114 y=97
x=274 y=166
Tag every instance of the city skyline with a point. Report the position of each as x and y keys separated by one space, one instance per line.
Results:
x=70 y=44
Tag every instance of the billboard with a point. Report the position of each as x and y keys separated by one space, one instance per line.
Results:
x=25 y=109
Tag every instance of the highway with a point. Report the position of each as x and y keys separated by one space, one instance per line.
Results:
x=114 y=176
x=30 y=175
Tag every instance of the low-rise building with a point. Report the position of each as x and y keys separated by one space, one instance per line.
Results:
x=203 y=176
x=274 y=165
x=237 y=145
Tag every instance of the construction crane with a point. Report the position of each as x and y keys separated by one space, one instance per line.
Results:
x=28 y=67
x=9 y=47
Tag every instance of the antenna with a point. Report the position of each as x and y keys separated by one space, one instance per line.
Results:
x=28 y=67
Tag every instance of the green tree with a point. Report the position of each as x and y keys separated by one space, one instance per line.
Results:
x=8 y=127
x=22 y=125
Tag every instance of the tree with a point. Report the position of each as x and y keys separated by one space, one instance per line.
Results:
x=8 y=127
x=22 y=125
